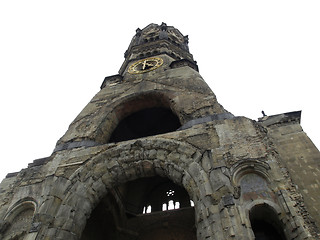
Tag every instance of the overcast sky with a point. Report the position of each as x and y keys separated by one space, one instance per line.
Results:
x=54 y=55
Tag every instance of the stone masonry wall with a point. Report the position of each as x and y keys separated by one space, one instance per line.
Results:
x=208 y=160
x=300 y=157
x=235 y=170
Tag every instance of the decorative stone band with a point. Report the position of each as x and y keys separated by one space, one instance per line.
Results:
x=77 y=144
x=209 y=118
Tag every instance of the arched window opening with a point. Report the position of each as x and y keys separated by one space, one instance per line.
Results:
x=152 y=201
x=146 y=209
x=265 y=223
x=254 y=186
x=167 y=196
x=153 y=194
x=170 y=204
x=146 y=122
x=105 y=220
x=20 y=220
x=133 y=210
x=164 y=207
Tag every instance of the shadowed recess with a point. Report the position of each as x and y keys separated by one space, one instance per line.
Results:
x=146 y=122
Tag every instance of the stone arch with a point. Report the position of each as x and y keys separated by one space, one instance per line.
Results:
x=120 y=215
x=158 y=102
x=272 y=204
x=124 y=162
x=256 y=166
x=275 y=207
x=18 y=219
x=264 y=220
x=251 y=179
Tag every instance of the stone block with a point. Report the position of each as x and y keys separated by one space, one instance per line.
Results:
x=64 y=234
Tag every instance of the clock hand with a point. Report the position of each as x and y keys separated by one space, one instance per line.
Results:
x=144 y=64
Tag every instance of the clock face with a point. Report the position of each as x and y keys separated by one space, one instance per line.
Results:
x=145 y=65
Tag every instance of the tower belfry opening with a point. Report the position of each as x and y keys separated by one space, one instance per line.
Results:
x=155 y=156
x=146 y=122
x=143 y=115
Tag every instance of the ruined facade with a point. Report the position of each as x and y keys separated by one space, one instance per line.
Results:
x=155 y=156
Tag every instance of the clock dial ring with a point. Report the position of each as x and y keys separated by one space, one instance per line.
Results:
x=145 y=65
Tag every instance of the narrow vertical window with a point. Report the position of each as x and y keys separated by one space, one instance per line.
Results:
x=164 y=207
x=148 y=209
x=171 y=205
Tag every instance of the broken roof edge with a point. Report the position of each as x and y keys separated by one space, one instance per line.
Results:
x=281 y=118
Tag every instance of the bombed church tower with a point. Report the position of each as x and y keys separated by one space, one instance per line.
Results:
x=155 y=156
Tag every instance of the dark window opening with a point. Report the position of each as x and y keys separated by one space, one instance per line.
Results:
x=104 y=221
x=119 y=215
x=265 y=224
x=146 y=122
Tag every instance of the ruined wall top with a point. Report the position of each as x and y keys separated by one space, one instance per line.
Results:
x=157 y=39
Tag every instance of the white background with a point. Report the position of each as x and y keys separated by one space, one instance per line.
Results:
x=54 y=55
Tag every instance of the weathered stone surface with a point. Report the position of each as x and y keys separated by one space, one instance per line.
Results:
x=301 y=161
x=235 y=170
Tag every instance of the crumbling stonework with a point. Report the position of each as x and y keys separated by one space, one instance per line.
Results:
x=225 y=177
